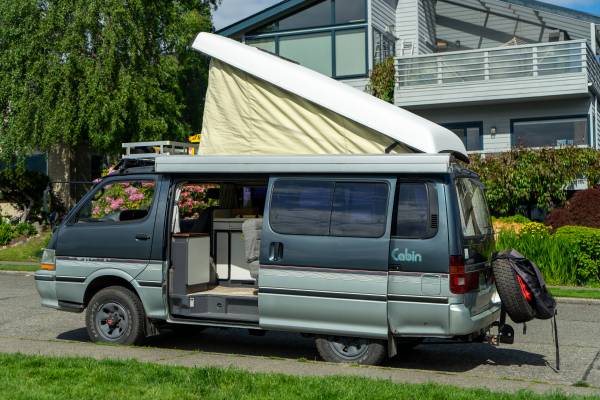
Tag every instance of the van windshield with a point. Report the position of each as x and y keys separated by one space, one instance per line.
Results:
x=474 y=214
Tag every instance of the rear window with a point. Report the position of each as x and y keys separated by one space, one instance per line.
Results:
x=327 y=208
x=474 y=214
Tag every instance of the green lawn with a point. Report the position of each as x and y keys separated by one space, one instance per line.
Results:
x=26 y=377
x=29 y=252
x=578 y=293
x=27 y=268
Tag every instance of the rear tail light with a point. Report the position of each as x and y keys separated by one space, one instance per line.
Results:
x=460 y=281
x=48 y=261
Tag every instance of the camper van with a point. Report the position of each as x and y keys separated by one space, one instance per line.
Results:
x=363 y=252
x=308 y=207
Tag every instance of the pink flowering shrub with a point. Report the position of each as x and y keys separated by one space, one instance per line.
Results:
x=193 y=199
x=123 y=196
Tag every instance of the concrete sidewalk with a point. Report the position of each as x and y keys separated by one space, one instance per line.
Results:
x=274 y=365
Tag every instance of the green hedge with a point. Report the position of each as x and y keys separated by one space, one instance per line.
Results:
x=570 y=256
x=585 y=249
x=522 y=179
x=9 y=232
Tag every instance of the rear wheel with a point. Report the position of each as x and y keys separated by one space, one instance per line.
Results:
x=116 y=315
x=351 y=350
x=511 y=292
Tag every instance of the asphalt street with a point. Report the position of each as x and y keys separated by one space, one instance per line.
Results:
x=28 y=328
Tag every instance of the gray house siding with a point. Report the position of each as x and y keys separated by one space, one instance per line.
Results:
x=383 y=15
x=407 y=27
x=499 y=116
x=427 y=26
x=415 y=27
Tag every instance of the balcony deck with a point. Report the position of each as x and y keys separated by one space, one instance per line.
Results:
x=560 y=69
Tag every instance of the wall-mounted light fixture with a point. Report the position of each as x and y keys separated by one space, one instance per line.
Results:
x=493 y=131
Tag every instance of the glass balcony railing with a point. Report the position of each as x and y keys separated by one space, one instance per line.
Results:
x=525 y=61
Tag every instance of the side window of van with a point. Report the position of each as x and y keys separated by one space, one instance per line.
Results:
x=118 y=202
x=416 y=211
x=301 y=207
x=326 y=208
x=359 y=209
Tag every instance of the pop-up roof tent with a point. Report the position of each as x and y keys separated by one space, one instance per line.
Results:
x=258 y=103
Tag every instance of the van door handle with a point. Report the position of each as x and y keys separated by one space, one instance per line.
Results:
x=276 y=251
x=142 y=236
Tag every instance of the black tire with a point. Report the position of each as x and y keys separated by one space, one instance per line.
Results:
x=513 y=301
x=116 y=315
x=359 y=351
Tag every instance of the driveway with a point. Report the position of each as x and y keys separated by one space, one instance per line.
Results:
x=28 y=328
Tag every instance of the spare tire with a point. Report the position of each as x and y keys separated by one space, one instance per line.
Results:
x=511 y=293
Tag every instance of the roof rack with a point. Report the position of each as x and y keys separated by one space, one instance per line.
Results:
x=146 y=150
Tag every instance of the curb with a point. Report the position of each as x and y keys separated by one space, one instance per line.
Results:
x=20 y=263
x=22 y=273
x=574 y=300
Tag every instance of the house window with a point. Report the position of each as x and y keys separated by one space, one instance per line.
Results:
x=350 y=50
x=267 y=44
x=312 y=51
x=350 y=11
x=551 y=132
x=383 y=47
x=329 y=37
x=471 y=134
x=317 y=15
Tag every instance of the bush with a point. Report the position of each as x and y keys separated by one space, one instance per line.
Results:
x=383 y=80
x=553 y=256
x=514 y=219
x=7 y=234
x=533 y=178
x=585 y=246
x=25 y=229
x=582 y=210
x=570 y=256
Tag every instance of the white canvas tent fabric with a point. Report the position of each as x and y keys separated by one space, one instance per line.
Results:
x=258 y=103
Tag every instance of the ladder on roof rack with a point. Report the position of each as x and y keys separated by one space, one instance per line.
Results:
x=140 y=150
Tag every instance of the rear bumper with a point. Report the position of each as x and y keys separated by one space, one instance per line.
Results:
x=463 y=323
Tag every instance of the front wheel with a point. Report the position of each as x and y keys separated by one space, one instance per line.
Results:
x=351 y=350
x=116 y=315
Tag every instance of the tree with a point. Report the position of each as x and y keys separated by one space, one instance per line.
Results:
x=25 y=189
x=99 y=72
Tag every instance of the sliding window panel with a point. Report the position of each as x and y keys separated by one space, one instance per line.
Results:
x=350 y=52
x=266 y=44
x=551 y=132
x=312 y=51
x=350 y=11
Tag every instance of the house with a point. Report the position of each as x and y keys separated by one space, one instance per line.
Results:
x=499 y=73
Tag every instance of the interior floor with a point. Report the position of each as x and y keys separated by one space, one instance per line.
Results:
x=228 y=291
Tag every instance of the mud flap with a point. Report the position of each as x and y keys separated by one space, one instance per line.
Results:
x=392 y=348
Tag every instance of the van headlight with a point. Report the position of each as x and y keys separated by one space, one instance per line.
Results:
x=48 y=262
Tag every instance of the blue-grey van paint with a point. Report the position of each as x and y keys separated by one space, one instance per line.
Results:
x=324 y=285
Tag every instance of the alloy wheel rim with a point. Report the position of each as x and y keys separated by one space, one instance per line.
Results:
x=112 y=321
x=349 y=349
